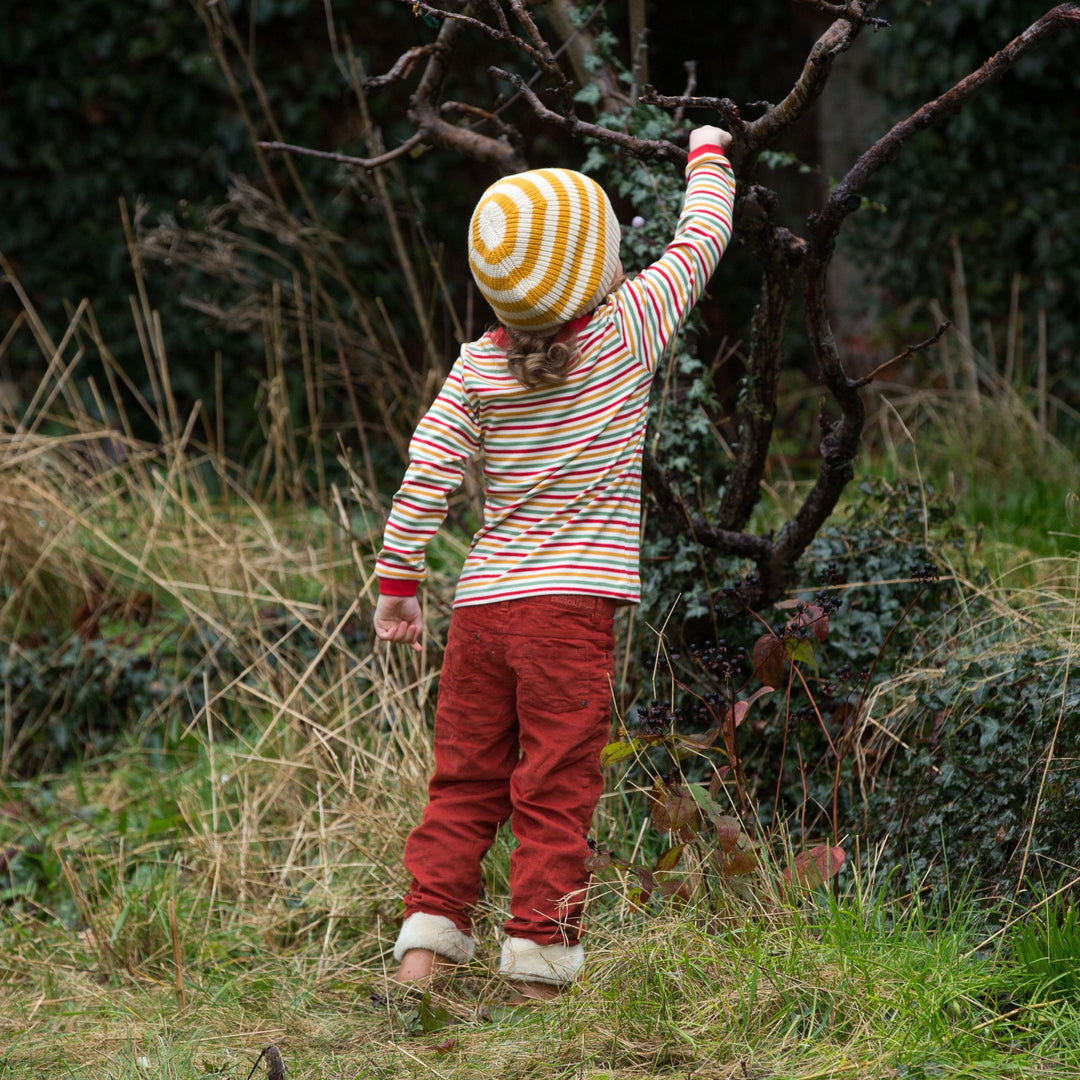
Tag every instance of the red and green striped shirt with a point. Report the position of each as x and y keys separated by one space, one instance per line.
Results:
x=562 y=464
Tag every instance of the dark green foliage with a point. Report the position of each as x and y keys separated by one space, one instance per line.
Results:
x=959 y=800
x=1002 y=176
x=72 y=700
x=102 y=102
x=77 y=698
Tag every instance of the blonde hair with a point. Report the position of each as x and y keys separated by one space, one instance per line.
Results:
x=537 y=360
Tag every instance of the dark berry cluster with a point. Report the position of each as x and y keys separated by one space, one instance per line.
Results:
x=926 y=572
x=845 y=679
x=829 y=602
x=719 y=661
x=657 y=717
x=739 y=595
x=833 y=575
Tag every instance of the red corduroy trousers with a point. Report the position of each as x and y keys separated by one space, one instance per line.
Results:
x=524 y=710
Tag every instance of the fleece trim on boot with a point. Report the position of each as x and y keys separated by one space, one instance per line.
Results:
x=529 y=962
x=436 y=933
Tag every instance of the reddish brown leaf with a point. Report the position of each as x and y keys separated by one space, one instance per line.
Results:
x=674 y=888
x=670 y=858
x=739 y=862
x=672 y=809
x=727 y=831
x=596 y=861
x=770 y=660
x=702 y=739
x=819 y=623
x=646 y=880
x=812 y=868
x=740 y=708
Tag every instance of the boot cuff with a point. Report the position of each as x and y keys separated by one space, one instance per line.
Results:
x=436 y=933
x=527 y=961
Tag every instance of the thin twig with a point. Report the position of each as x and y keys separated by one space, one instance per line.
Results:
x=402 y=66
x=911 y=350
x=724 y=106
x=649 y=149
x=345 y=159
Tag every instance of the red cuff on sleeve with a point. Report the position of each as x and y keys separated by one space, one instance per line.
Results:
x=397 y=586
x=705 y=148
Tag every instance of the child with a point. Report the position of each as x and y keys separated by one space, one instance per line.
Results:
x=556 y=399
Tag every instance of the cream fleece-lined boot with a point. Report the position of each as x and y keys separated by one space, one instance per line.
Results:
x=554 y=965
x=437 y=934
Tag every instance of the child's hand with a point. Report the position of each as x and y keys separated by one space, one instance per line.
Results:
x=709 y=136
x=398 y=618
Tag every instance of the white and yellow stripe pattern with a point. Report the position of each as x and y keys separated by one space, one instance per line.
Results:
x=543 y=247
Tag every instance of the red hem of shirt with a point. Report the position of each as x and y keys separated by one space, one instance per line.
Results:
x=397 y=587
x=705 y=148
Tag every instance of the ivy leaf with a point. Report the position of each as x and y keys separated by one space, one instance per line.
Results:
x=432 y=1017
x=589 y=94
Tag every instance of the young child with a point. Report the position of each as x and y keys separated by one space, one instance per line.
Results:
x=556 y=399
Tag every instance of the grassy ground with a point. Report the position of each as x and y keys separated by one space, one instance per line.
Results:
x=229 y=877
x=187 y=911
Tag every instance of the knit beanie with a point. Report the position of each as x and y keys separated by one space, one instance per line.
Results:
x=543 y=247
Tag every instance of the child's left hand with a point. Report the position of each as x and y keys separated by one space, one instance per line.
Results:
x=399 y=619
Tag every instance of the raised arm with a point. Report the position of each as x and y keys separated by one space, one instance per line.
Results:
x=653 y=305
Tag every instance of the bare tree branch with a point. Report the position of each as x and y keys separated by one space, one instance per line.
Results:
x=403 y=65
x=345 y=159
x=840 y=438
x=725 y=108
x=845 y=11
x=579 y=42
x=910 y=351
x=811 y=81
x=649 y=149
x=787 y=262
x=780 y=255
x=423 y=110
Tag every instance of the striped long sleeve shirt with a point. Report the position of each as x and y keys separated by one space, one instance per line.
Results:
x=561 y=464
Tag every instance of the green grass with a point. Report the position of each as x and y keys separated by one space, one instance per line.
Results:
x=229 y=875
x=281 y=926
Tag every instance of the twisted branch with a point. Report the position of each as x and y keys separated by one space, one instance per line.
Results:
x=840 y=438
x=845 y=11
x=648 y=149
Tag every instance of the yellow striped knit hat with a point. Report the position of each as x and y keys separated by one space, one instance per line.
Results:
x=543 y=247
